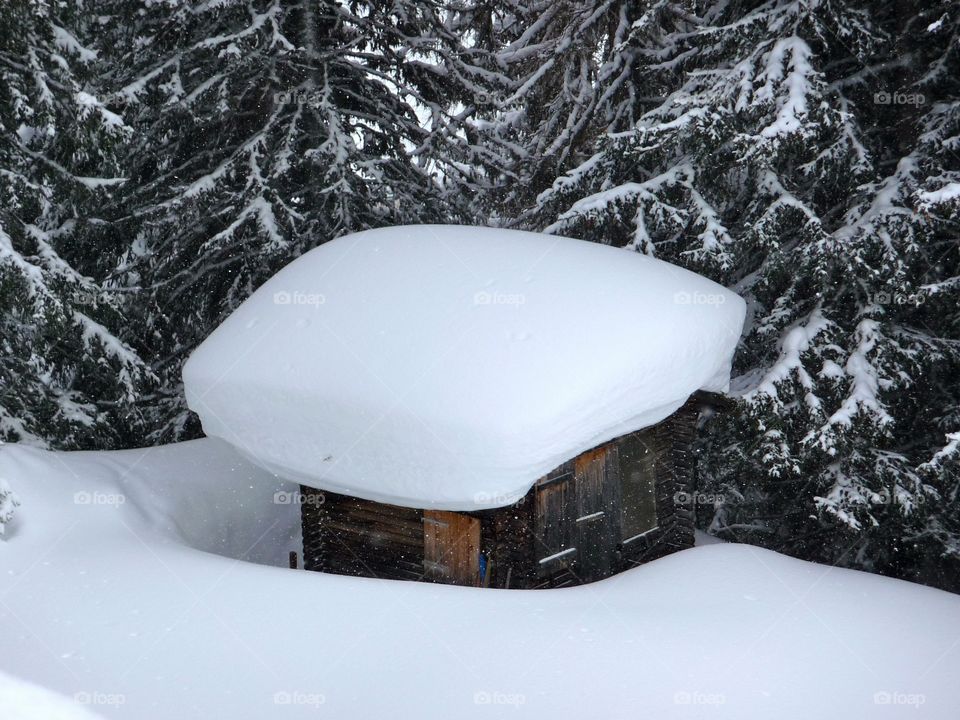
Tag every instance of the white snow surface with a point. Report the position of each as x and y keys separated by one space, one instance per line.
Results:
x=114 y=603
x=21 y=700
x=452 y=366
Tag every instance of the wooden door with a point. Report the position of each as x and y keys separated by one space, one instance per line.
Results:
x=594 y=521
x=451 y=548
x=556 y=541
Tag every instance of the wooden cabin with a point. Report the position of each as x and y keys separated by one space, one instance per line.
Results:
x=453 y=360
x=606 y=510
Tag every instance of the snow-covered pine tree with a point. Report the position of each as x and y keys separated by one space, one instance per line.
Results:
x=939 y=529
x=928 y=34
x=265 y=128
x=66 y=378
x=783 y=152
x=568 y=66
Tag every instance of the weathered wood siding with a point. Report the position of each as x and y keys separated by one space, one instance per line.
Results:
x=451 y=542
x=507 y=534
x=350 y=536
x=554 y=529
x=567 y=530
x=673 y=469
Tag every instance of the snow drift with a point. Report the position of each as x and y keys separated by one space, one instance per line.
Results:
x=451 y=366
x=102 y=601
x=25 y=701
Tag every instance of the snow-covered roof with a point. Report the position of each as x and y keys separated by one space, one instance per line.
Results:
x=451 y=366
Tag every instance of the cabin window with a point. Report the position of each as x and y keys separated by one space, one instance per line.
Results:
x=638 y=514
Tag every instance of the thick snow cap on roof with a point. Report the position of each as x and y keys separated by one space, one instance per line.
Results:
x=449 y=367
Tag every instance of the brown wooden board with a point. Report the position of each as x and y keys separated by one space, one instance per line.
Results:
x=592 y=521
x=639 y=454
x=572 y=519
x=451 y=547
x=511 y=544
x=351 y=536
x=674 y=481
x=555 y=532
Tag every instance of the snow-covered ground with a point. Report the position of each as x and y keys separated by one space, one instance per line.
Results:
x=20 y=700
x=125 y=584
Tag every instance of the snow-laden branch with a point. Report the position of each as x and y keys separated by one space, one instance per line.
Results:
x=796 y=342
x=949 y=452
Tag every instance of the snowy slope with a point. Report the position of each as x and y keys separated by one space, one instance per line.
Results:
x=108 y=599
x=451 y=366
x=20 y=700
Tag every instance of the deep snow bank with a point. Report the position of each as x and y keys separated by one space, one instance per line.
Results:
x=21 y=700
x=105 y=600
x=201 y=494
x=451 y=366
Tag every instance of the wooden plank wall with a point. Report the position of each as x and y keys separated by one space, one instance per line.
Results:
x=674 y=475
x=451 y=542
x=555 y=528
x=507 y=535
x=596 y=485
x=596 y=526
x=311 y=523
x=350 y=536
